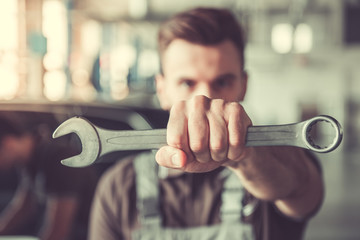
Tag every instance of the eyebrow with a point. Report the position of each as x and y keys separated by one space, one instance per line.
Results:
x=225 y=76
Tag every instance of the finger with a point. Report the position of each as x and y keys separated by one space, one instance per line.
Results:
x=198 y=128
x=218 y=142
x=171 y=157
x=176 y=134
x=238 y=123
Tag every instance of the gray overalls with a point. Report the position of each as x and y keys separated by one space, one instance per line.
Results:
x=147 y=191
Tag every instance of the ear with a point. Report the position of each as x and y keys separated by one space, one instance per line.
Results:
x=160 y=90
x=244 y=82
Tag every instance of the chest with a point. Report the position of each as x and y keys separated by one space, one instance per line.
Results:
x=190 y=200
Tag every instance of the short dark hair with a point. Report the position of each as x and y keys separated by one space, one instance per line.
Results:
x=204 y=26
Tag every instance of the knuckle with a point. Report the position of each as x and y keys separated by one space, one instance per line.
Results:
x=218 y=146
x=218 y=105
x=197 y=147
x=218 y=102
x=236 y=108
x=235 y=141
x=200 y=101
x=201 y=98
x=175 y=141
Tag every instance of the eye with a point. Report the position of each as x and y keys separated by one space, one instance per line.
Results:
x=188 y=83
x=223 y=83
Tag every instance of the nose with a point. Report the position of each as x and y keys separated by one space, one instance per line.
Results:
x=206 y=90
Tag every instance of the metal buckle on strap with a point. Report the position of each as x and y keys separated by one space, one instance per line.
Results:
x=149 y=214
x=149 y=207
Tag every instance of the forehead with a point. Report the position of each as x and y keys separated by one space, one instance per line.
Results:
x=184 y=56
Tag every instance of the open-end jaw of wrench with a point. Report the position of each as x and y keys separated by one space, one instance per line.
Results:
x=97 y=141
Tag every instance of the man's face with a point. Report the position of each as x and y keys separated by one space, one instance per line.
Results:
x=189 y=69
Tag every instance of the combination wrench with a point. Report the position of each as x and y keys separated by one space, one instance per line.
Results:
x=96 y=141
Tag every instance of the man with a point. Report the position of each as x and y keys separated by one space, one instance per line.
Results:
x=51 y=200
x=276 y=189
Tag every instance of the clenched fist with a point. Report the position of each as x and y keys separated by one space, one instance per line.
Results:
x=203 y=134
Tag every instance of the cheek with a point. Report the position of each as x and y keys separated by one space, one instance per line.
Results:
x=176 y=93
x=229 y=95
x=236 y=93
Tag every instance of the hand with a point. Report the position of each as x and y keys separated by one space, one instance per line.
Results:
x=203 y=134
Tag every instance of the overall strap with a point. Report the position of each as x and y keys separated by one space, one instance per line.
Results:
x=147 y=189
x=236 y=202
x=232 y=197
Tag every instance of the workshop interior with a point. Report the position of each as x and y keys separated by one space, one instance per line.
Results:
x=98 y=59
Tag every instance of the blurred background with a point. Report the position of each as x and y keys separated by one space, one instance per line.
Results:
x=303 y=59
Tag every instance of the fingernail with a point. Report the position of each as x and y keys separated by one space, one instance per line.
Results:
x=175 y=160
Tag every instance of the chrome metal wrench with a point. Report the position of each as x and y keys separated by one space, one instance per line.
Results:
x=97 y=141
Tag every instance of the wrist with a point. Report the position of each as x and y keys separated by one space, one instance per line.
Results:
x=242 y=161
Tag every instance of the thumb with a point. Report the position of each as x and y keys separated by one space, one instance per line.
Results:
x=170 y=157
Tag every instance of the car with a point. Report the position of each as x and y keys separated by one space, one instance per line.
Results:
x=46 y=116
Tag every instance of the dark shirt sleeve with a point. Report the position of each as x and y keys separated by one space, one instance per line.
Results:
x=270 y=222
x=103 y=217
x=113 y=212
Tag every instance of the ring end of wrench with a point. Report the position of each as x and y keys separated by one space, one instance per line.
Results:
x=338 y=134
